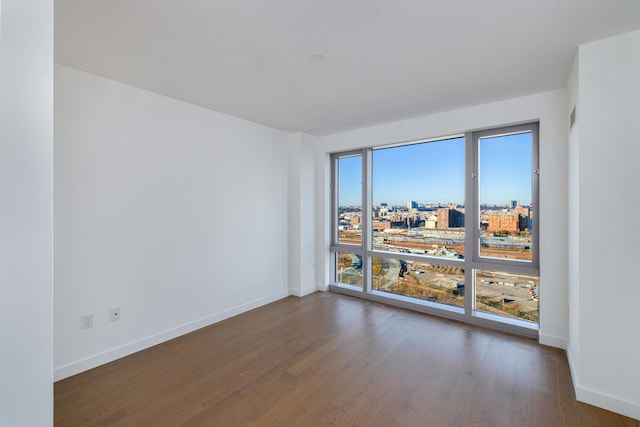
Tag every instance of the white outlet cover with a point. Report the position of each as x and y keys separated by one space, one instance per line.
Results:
x=87 y=321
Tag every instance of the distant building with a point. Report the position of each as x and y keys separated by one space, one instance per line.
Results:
x=523 y=210
x=414 y=220
x=510 y=223
x=412 y=204
x=513 y=204
x=449 y=218
x=431 y=221
x=396 y=218
x=380 y=225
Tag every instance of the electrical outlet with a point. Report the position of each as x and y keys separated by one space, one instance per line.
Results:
x=87 y=321
x=115 y=314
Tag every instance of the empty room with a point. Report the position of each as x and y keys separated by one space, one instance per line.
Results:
x=313 y=213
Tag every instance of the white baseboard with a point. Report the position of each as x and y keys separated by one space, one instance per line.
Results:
x=601 y=400
x=573 y=369
x=65 y=371
x=608 y=402
x=552 y=341
x=300 y=292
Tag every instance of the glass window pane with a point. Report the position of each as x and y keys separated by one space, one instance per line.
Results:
x=350 y=200
x=349 y=269
x=506 y=209
x=418 y=198
x=511 y=295
x=431 y=282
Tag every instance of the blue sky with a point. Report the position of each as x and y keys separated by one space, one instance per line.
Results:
x=434 y=172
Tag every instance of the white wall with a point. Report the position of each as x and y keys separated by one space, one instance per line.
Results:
x=26 y=141
x=573 y=99
x=549 y=108
x=174 y=213
x=302 y=215
x=606 y=350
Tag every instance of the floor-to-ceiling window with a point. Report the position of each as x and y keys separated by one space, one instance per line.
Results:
x=447 y=225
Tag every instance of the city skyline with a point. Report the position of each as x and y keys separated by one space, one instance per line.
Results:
x=433 y=173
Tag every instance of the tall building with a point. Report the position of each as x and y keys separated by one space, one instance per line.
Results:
x=412 y=204
x=449 y=218
x=525 y=211
x=513 y=204
x=510 y=223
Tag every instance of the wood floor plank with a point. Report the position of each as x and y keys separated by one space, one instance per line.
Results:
x=329 y=359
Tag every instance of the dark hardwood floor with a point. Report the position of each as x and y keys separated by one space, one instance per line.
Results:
x=328 y=359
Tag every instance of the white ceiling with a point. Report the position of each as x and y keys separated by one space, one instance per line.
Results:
x=386 y=59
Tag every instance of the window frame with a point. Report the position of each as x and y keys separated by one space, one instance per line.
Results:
x=535 y=185
x=335 y=215
x=472 y=260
